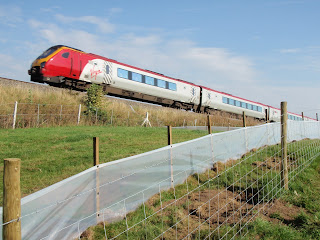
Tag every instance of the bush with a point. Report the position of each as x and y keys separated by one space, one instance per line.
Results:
x=94 y=102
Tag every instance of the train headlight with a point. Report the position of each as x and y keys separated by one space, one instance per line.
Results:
x=42 y=64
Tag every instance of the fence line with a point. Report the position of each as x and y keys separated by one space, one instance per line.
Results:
x=210 y=193
x=20 y=115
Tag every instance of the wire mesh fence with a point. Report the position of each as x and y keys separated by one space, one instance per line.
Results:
x=26 y=115
x=207 y=188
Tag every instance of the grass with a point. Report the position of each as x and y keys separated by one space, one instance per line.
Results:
x=49 y=155
x=176 y=212
x=51 y=102
x=303 y=192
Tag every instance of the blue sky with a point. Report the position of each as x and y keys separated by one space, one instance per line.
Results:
x=266 y=51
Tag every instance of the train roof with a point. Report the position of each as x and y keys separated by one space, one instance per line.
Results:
x=228 y=94
x=59 y=46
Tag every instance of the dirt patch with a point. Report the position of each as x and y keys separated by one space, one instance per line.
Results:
x=269 y=163
x=227 y=207
x=219 y=207
x=282 y=212
x=221 y=166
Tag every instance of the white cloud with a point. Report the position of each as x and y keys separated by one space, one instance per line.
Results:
x=10 y=69
x=34 y=23
x=102 y=24
x=10 y=15
x=113 y=11
x=290 y=50
x=222 y=62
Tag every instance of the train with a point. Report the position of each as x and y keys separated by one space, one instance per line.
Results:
x=68 y=67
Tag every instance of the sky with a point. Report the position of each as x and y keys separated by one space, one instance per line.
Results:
x=264 y=51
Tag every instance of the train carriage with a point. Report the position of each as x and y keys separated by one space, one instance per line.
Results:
x=212 y=99
x=64 y=66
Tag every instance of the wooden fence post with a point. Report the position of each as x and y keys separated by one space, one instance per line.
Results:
x=11 y=199
x=79 y=114
x=209 y=124
x=267 y=117
x=317 y=116
x=170 y=144
x=96 y=163
x=60 y=114
x=302 y=116
x=38 y=116
x=244 y=119
x=15 y=115
x=169 y=135
x=95 y=151
x=284 y=159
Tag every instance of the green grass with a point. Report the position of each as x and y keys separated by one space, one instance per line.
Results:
x=49 y=155
x=304 y=192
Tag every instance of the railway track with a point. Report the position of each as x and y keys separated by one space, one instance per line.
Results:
x=9 y=81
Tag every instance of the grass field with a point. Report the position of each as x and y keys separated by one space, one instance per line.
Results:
x=294 y=214
x=49 y=155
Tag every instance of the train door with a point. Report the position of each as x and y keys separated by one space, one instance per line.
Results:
x=97 y=71
x=107 y=78
x=75 y=65
x=62 y=63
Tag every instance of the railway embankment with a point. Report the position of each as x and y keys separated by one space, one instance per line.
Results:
x=41 y=105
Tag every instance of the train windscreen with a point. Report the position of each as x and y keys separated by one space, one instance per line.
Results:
x=49 y=51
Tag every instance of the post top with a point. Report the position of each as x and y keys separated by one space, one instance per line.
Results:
x=12 y=159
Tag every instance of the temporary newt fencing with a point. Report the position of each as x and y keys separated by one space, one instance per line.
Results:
x=109 y=191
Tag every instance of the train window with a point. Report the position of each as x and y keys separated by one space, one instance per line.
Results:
x=254 y=108
x=243 y=105
x=249 y=106
x=136 y=77
x=231 y=101
x=238 y=103
x=259 y=109
x=193 y=91
x=123 y=73
x=161 y=83
x=172 y=86
x=225 y=100
x=48 y=52
x=149 y=80
x=65 y=55
x=107 y=69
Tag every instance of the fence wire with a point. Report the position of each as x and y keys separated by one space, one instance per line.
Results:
x=26 y=115
x=207 y=188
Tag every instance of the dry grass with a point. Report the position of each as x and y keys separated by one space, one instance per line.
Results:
x=41 y=105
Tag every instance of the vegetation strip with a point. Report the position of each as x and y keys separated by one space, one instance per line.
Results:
x=44 y=106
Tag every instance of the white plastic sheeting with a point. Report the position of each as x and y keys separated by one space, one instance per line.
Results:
x=64 y=210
